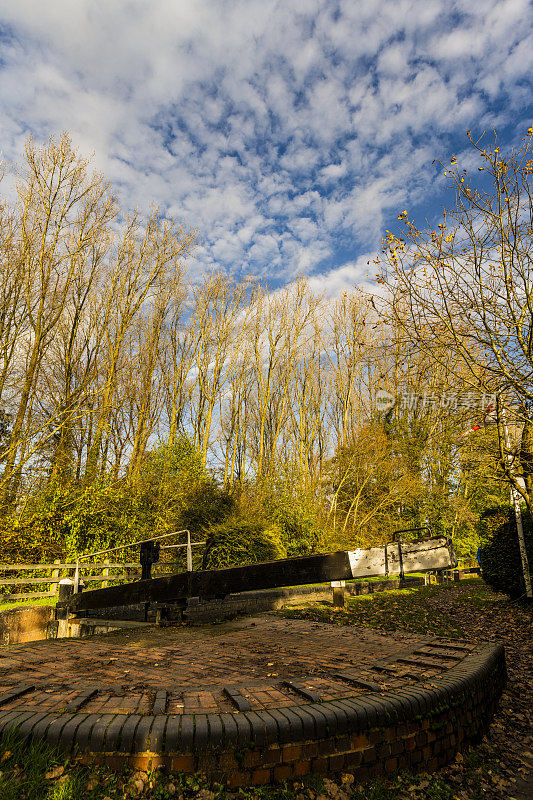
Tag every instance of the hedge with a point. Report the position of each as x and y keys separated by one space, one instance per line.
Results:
x=501 y=564
x=239 y=541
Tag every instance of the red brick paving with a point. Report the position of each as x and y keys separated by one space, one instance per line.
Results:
x=195 y=664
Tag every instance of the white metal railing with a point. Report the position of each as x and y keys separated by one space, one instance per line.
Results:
x=188 y=544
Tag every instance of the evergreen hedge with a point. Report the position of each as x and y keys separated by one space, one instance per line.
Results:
x=501 y=564
x=240 y=541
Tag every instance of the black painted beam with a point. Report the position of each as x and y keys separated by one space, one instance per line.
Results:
x=424 y=554
x=218 y=583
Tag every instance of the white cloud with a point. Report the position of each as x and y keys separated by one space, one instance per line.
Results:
x=343 y=279
x=286 y=133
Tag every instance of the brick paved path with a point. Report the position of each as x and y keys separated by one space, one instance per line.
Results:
x=264 y=662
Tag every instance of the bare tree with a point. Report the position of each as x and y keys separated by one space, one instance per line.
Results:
x=145 y=256
x=63 y=214
x=466 y=288
x=221 y=308
x=177 y=353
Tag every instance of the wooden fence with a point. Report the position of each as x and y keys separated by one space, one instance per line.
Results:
x=107 y=572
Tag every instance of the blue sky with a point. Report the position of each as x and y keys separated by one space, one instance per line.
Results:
x=289 y=133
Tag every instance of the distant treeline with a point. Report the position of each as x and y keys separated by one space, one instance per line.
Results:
x=112 y=355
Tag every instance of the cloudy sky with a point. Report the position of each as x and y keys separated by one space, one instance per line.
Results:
x=289 y=133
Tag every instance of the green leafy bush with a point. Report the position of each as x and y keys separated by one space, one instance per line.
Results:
x=280 y=503
x=299 y=530
x=61 y=522
x=172 y=491
x=501 y=564
x=239 y=541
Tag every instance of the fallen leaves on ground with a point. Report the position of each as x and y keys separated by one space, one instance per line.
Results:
x=54 y=773
x=501 y=768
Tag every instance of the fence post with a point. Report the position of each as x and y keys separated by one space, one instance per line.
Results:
x=105 y=572
x=189 y=552
x=54 y=587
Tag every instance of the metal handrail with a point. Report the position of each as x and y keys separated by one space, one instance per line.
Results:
x=188 y=544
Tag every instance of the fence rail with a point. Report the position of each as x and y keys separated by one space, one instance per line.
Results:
x=60 y=569
x=104 y=577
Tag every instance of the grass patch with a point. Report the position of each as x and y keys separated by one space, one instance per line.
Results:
x=481 y=595
x=39 y=601
x=406 y=610
x=35 y=771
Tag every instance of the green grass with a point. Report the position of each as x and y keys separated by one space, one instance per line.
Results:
x=35 y=771
x=480 y=595
x=395 y=610
x=24 y=769
x=39 y=601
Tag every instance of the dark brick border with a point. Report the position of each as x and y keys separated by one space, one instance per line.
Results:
x=368 y=735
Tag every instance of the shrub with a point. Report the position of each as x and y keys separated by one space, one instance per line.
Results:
x=22 y=541
x=299 y=530
x=239 y=541
x=63 y=521
x=173 y=491
x=280 y=503
x=501 y=564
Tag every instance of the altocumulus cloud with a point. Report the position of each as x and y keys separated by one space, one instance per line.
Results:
x=289 y=133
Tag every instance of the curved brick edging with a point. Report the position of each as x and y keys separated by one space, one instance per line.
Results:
x=371 y=734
